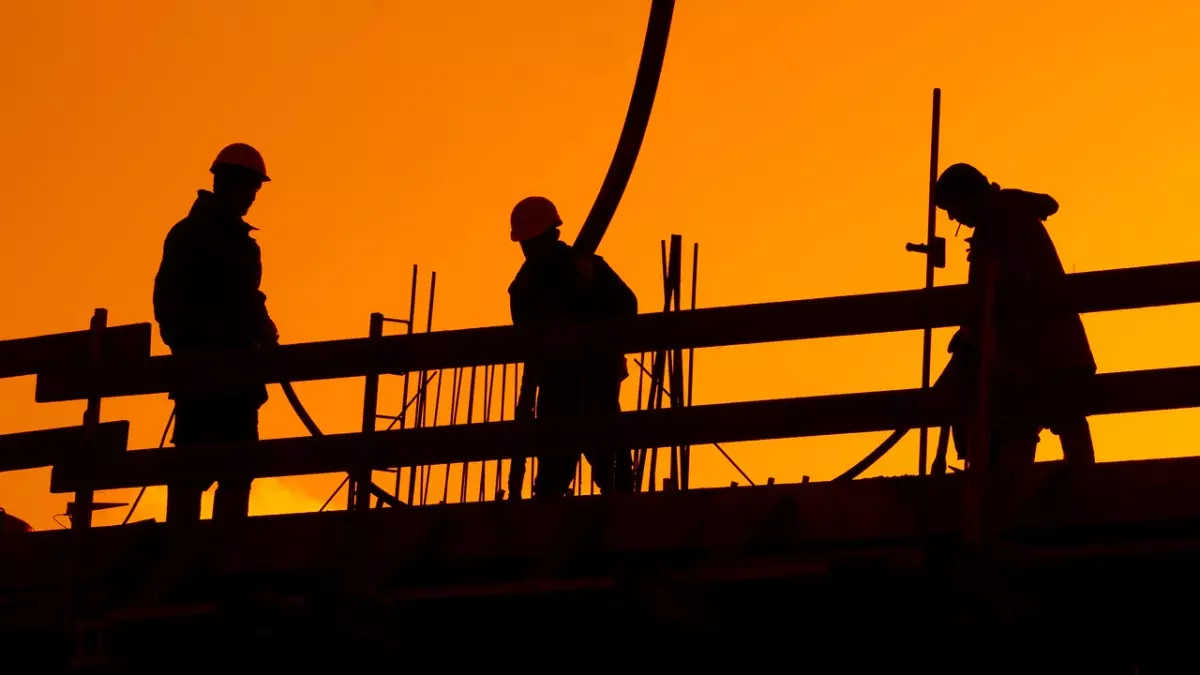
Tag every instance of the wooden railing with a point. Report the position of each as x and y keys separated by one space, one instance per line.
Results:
x=126 y=369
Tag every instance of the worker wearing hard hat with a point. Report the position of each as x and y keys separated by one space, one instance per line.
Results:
x=558 y=283
x=1041 y=348
x=207 y=297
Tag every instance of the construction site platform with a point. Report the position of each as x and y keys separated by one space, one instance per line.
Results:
x=1091 y=569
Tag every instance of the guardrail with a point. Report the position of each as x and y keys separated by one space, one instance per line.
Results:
x=716 y=327
x=61 y=380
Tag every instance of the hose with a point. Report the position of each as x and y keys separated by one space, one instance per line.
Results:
x=161 y=444
x=637 y=118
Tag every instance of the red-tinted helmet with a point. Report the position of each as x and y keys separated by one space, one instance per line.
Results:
x=244 y=156
x=533 y=216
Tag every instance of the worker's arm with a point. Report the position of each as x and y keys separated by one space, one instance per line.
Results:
x=619 y=299
x=172 y=298
x=256 y=309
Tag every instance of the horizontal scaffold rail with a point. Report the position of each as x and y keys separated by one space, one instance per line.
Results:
x=716 y=327
x=30 y=356
x=1136 y=391
x=47 y=447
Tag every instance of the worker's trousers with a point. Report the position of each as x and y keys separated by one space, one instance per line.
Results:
x=612 y=467
x=212 y=420
x=612 y=470
x=1015 y=446
x=1014 y=441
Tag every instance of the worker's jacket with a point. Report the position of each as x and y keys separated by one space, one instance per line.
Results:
x=206 y=294
x=563 y=285
x=1036 y=334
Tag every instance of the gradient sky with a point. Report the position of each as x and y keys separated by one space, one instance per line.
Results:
x=790 y=139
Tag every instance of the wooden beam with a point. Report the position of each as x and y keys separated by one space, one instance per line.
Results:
x=718 y=423
x=727 y=422
x=35 y=449
x=30 y=356
x=715 y=327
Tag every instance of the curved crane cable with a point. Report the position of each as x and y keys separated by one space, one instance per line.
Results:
x=866 y=462
x=142 y=492
x=305 y=418
x=636 y=120
x=619 y=170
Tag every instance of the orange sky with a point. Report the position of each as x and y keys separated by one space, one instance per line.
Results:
x=790 y=139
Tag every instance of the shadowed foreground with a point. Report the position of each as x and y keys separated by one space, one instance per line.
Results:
x=1090 y=572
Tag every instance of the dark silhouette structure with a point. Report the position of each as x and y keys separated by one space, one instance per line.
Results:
x=1065 y=569
x=206 y=298
x=558 y=283
x=1038 y=346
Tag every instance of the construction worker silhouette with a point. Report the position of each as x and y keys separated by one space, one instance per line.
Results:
x=206 y=297
x=558 y=283
x=1038 y=347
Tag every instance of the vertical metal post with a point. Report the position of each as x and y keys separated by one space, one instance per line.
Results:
x=489 y=383
x=679 y=463
x=466 y=471
x=81 y=517
x=503 y=400
x=412 y=309
x=437 y=409
x=487 y=416
x=691 y=363
x=359 y=496
x=454 y=395
x=639 y=455
x=658 y=369
x=935 y=256
x=422 y=396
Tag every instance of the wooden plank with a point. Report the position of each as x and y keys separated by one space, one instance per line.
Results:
x=718 y=423
x=715 y=327
x=1108 y=502
x=728 y=422
x=30 y=356
x=35 y=449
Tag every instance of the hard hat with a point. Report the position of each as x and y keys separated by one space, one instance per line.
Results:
x=957 y=181
x=533 y=216
x=245 y=156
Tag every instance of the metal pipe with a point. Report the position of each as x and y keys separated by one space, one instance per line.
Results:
x=735 y=464
x=489 y=382
x=437 y=405
x=454 y=396
x=930 y=262
x=675 y=364
x=412 y=308
x=874 y=456
x=503 y=400
x=336 y=490
x=691 y=364
x=466 y=469
x=359 y=497
x=637 y=118
x=658 y=364
x=639 y=455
